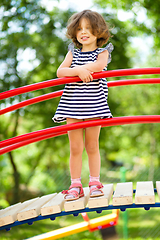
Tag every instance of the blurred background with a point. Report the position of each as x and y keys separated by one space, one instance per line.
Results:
x=32 y=46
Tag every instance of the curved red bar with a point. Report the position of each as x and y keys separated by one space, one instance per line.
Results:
x=55 y=82
x=28 y=138
x=119 y=83
x=31 y=101
x=59 y=93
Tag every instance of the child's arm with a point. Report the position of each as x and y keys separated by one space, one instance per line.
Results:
x=64 y=70
x=100 y=64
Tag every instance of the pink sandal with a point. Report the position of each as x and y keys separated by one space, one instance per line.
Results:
x=98 y=186
x=73 y=192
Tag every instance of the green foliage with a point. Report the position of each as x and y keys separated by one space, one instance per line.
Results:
x=149 y=26
x=33 y=44
x=28 y=30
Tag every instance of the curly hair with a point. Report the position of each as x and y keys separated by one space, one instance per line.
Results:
x=99 y=27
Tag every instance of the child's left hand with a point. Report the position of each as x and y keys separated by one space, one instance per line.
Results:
x=84 y=74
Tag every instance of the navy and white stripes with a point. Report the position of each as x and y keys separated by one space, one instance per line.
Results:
x=84 y=100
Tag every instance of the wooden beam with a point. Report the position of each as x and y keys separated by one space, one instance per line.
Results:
x=144 y=193
x=123 y=194
x=10 y=215
x=77 y=204
x=33 y=210
x=55 y=205
x=102 y=201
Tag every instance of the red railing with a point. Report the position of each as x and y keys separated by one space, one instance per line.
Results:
x=60 y=81
x=19 y=141
x=59 y=93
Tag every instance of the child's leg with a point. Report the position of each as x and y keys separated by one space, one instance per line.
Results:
x=76 y=150
x=92 y=149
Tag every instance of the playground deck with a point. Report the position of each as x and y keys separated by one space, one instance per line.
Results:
x=53 y=205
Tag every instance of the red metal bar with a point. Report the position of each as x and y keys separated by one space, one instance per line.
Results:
x=31 y=101
x=59 y=93
x=25 y=139
x=119 y=83
x=55 y=82
x=29 y=141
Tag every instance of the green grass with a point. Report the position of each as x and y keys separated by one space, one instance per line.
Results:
x=141 y=225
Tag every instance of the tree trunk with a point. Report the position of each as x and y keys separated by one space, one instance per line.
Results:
x=152 y=154
x=16 y=177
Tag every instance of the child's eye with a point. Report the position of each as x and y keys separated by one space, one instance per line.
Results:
x=88 y=27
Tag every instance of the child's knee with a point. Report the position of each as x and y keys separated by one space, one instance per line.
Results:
x=92 y=146
x=76 y=148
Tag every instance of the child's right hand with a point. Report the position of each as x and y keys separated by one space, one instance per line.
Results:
x=84 y=74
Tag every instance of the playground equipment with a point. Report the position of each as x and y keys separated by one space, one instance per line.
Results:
x=91 y=225
x=53 y=205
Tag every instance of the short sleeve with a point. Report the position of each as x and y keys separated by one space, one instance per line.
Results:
x=71 y=48
x=110 y=48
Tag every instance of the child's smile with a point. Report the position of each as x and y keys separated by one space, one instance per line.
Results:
x=84 y=38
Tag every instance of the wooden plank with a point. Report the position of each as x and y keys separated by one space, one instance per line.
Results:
x=33 y=210
x=123 y=194
x=77 y=204
x=144 y=193
x=10 y=215
x=2 y=211
x=102 y=201
x=55 y=205
x=158 y=187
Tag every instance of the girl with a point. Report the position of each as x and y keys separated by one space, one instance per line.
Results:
x=85 y=100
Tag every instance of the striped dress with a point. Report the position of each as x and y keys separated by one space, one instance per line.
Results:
x=84 y=100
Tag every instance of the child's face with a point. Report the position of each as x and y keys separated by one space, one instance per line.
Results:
x=84 y=34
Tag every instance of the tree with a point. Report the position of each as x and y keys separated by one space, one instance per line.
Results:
x=143 y=20
x=27 y=28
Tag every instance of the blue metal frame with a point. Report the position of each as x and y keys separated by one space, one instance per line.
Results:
x=76 y=213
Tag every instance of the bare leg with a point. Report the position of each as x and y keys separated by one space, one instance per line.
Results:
x=92 y=149
x=76 y=149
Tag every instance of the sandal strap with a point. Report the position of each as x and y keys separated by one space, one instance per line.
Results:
x=97 y=184
x=96 y=189
x=74 y=193
x=74 y=185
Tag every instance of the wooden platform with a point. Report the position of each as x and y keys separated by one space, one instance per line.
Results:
x=53 y=205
